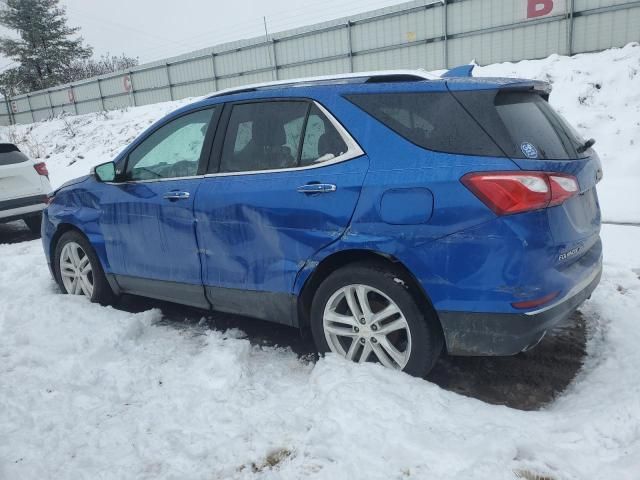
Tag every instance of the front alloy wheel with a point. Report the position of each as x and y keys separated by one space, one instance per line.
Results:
x=363 y=324
x=78 y=270
x=75 y=270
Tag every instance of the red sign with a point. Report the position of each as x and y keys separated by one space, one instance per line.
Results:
x=14 y=106
x=126 y=82
x=542 y=8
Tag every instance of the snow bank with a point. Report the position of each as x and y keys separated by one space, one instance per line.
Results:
x=598 y=92
x=88 y=392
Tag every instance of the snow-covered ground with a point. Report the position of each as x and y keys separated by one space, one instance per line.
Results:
x=599 y=93
x=88 y=392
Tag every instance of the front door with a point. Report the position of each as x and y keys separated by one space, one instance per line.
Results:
x=287 y=183
x=147 y=219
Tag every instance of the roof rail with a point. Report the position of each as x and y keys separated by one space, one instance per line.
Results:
x=364 y=77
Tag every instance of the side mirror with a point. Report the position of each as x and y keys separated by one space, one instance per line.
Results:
x=105 y=172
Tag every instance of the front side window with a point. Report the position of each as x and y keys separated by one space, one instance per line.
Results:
x=173 y=150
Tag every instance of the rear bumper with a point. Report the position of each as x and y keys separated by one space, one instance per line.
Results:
x=473 y=333
x=21 y=207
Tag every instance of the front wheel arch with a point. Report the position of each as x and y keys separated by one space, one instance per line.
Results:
x=55 y=238
x=61 y=230
x=103 y=292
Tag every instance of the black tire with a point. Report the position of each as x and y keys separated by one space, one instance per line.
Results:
x=102 y=292
x=34 y=223
x=426 y=335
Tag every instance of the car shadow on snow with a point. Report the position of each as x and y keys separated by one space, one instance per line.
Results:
x=15 y=232
x=527 y=381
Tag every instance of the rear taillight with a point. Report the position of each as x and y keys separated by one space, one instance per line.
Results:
x=563 y=187
x=41 y=168
x=514 y=192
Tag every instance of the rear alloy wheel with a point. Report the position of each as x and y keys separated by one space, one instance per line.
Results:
x=78 y=270
x=365 y=312
x=362 y=323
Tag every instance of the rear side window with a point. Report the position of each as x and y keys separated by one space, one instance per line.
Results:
x=431 y=120
x=263 y=136
x=278 y=134
x=322 y=142
x=523 y=124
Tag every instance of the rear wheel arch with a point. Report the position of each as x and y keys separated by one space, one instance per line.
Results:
x=347 y=257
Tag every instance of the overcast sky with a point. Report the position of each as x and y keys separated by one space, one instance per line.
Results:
x=155 y=29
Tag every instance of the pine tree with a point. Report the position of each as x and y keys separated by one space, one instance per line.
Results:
x=46 y=47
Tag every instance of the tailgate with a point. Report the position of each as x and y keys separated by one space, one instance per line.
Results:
x=536 y=138
x=18 y=178
x=575 y=224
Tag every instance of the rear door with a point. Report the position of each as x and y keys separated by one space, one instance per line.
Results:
x=285 y=181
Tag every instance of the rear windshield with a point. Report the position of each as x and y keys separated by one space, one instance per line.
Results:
x=479 y=122
x=8 y=147
x=433 y=120
x=10 y=154
x=523 y=124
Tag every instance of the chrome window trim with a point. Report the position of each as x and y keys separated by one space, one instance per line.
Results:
x=153 y=180
x=353 y=151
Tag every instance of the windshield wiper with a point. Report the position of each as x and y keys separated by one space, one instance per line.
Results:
x=586 y=146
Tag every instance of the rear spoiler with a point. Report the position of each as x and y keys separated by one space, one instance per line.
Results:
x=461 y=71
x=534 y=86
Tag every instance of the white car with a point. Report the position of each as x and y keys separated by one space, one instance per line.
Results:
x=24 y=186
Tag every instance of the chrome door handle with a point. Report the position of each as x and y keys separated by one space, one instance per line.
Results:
x=317 y=188
x=175 y=195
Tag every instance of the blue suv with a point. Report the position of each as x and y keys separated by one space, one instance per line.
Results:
x=392 y=214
